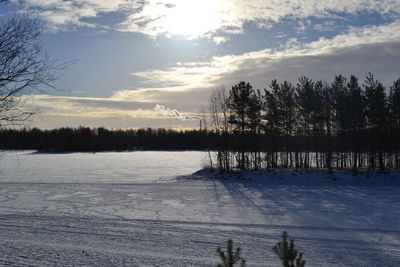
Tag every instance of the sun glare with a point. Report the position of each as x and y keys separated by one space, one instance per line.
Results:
x=193 y=18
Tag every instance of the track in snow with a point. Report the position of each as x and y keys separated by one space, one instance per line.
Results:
x=181 y=222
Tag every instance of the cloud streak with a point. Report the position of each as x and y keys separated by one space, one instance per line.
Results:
x=61 y=111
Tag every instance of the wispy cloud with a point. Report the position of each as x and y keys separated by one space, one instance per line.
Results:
x=60 y=14
x=91 y=107
x=61 y=111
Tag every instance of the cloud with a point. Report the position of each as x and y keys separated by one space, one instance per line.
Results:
x=358 y=51
x=62 y=111
x=220 y=39
x=193 y=18
x=60 y=14
x=208 y=17
x=91 y=107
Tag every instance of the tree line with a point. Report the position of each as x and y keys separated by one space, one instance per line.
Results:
x=312 y=124
x=87 y=139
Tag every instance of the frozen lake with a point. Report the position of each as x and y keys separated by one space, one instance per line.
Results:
x=106 y=167
x=150 y=209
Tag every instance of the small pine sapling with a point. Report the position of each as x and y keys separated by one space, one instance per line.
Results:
x=230 y=258
x=286 y=252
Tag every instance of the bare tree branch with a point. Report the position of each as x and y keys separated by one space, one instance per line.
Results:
x=24 y=68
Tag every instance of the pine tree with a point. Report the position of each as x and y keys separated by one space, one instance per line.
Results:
x=254 y=116
x=377 y=115
x=241 y=102
x=280 y=112
x=305 y=97
x=287 y=105
x=341 y=118
x=287 y=254
x=317 y=121
x=394 y=104
x=356 y=114
x=273 y=118
x=231 y=257
x=327 y=100
x=273 y=113
x=394 y=109
x=376 y=104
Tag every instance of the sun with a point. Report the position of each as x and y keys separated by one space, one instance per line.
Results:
x=193 y=18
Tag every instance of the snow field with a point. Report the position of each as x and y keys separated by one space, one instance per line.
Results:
x=165 y=216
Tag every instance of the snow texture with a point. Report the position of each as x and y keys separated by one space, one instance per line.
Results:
x=146 y=209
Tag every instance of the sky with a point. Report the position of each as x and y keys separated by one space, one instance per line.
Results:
x=155 y=63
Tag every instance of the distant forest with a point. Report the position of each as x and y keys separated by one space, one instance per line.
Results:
x=341 y=125
x=100 y=139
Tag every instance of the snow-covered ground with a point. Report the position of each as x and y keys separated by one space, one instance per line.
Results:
x=154 y=209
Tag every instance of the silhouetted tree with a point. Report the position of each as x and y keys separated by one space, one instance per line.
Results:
x=356 y=117
x=241 y=102
x=377 y=115
x=273 y=118
x=394 y=104
x=306 y=99
x=24 y=67
x=317 y=122
x=280 y=116
x=394 y=119
x=254 y=114
x=341 y=117
x=328 y=110
x=286 y=100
